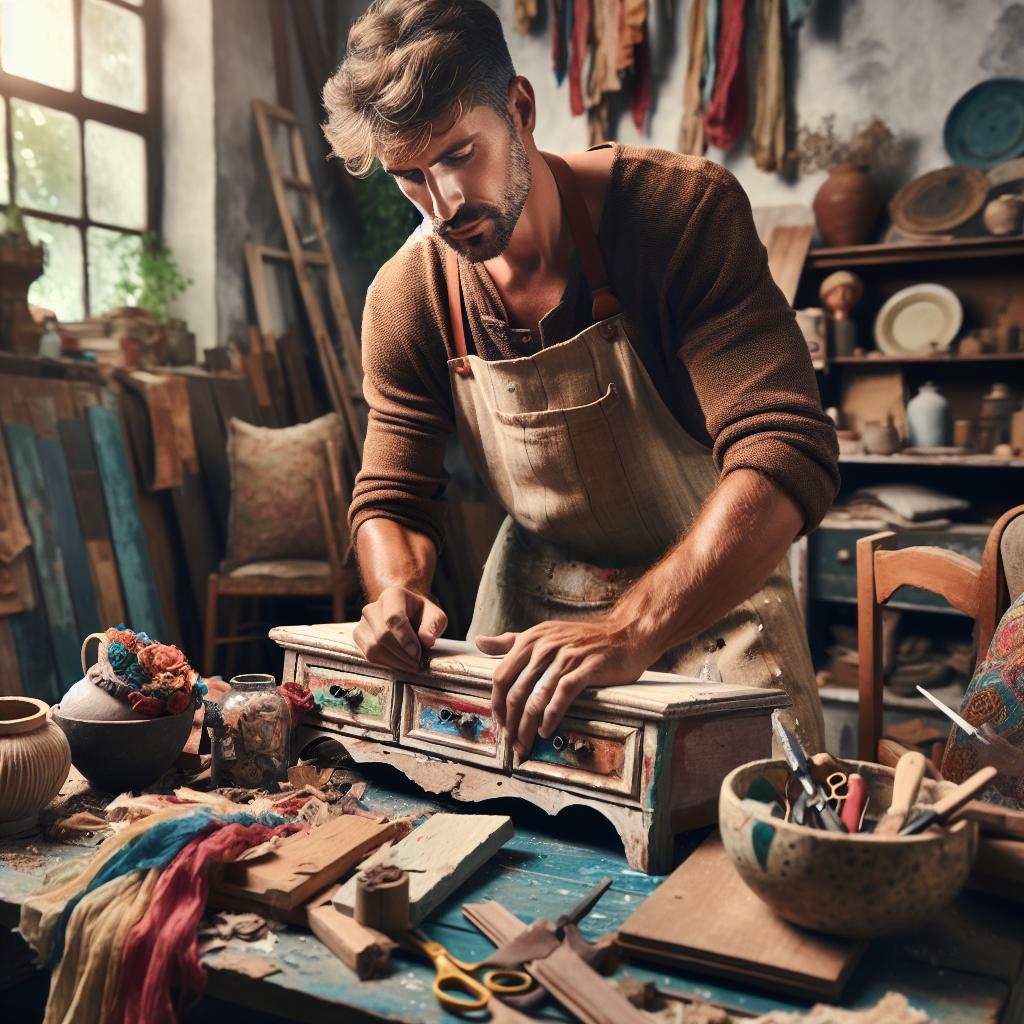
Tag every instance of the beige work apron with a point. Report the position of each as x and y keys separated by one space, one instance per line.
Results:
x=599 y=480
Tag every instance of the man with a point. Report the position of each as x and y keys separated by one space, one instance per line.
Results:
x=604 y=334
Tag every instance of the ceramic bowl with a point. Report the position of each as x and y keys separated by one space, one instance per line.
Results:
x=116 y=756
x=855 y=886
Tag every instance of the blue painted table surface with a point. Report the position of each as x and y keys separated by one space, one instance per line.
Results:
x=543 y=870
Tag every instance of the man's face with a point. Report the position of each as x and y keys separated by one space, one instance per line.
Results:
x=472 y=181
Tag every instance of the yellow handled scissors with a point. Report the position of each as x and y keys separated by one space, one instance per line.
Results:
x=455 y=986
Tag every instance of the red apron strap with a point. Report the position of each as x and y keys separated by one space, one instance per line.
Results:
x=605 y=304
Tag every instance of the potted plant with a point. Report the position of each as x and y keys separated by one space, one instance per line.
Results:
x=848 y=202
x=149 y=281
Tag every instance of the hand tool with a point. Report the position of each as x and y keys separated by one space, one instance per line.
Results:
x=942 y=811
x=797 y=761
x=852 y=810
x=994 y=749
x=795 y=810
x=455 y=986
x=909 y=773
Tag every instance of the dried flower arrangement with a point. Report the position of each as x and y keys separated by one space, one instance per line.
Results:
x=818 y=149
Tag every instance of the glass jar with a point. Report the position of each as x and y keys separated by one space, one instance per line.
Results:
x=252 y=742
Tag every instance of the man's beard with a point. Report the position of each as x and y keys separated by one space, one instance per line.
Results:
x=501 y=219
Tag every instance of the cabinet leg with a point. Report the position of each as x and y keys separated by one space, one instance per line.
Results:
x=648 y=842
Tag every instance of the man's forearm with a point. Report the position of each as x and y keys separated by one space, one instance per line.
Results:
x=392 y=555
x=735 y=543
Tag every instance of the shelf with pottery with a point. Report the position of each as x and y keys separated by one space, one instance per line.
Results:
x=967 y=461
x=931 y=251
x=935 y=359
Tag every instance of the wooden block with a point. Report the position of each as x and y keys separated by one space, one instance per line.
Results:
x=366 y=951
x=703 y=916
x=303 y=864
x=440 y=855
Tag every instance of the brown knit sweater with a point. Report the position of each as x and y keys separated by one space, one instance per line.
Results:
x=714 y=332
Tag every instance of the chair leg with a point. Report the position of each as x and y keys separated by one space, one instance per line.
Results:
x=210 y=630
x=869 y=646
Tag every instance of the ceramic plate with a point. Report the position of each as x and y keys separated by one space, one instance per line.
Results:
x=939 y=200
x=918 y=320
x=986 y=125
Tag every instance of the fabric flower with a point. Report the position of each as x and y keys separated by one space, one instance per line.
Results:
x=121 y=635
x=158 y=658
x=143 y=638
x=145 y=705
x=136 y=676
x=177 y=702
x=120 y=657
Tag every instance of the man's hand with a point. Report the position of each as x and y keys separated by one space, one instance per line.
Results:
x=395 y=629
x=546 y=667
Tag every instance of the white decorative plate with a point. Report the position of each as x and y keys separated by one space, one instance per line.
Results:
x=918 y=320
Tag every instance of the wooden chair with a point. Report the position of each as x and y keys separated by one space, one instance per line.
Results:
x=335 y=578
x=978 y=590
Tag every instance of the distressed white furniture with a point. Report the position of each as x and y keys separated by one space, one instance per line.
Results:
x=650 y=756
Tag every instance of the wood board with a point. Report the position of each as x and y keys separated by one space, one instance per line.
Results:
x=303 y=864
x=704 y=917
x=787 y=252
x=440 y=855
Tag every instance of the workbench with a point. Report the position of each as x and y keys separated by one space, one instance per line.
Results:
x=964 y=968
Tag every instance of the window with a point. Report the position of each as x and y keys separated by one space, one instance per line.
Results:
x=80 y=130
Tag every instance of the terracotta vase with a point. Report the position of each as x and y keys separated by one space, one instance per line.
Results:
x=847 y=205
x=34 y=762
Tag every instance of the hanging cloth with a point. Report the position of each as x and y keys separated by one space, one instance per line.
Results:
x=796 y=12
x=526 y=11
x=561 y=30
x=691 y=129
x=768 y=136
x=641 y=82
x=578 y=54
x=726 y=118
x=713 y=17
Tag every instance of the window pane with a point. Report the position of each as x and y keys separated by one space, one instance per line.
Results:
x=113 y=56
x=5 y=194
x=60 y=288
x=113 y=280
x=115 y=175
x=47 y=159
x=37 y=41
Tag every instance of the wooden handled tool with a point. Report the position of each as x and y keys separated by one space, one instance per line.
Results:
x=942 y=811
x=909 y=772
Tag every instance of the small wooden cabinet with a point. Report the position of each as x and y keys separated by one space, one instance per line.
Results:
x=650 y=756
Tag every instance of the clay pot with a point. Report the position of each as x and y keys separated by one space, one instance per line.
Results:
x=1004 y=215
x=34 y=762
x=847 y=205
x=880 y=438
x=928 y=418
x=858 y=885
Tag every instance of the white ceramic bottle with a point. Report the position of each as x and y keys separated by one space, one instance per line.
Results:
x=928 y=418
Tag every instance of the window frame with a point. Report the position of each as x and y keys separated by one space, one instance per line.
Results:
x=148 y=124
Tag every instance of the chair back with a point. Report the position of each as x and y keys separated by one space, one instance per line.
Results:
x=978 y=590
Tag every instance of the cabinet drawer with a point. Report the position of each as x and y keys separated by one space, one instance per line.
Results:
x=452 y=724
x=597 y=755
x=360 y=699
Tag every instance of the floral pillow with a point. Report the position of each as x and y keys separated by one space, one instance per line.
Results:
x=996 y=697
x=274 y=511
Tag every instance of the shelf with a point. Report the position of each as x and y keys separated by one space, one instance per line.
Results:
x=965 y=461
x=949 y=360
x=915 y=252
x=901 y=606
x=950 y=694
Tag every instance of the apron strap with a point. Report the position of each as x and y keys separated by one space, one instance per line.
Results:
x=605 y=303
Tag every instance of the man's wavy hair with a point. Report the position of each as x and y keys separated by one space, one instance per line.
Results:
x=409 y=65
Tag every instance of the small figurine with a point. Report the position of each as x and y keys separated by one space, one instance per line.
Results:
x=51 y=345
x=839 y=293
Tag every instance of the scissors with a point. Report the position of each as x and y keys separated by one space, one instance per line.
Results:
x=455 y=986
x=837 y=789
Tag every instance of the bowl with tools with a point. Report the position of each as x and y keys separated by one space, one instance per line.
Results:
x=848 y=848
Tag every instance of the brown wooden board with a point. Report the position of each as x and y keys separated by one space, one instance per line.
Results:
x=10 y=677
x=296 y=376
x=787 y=251
x=704 y=917
x=211 y=446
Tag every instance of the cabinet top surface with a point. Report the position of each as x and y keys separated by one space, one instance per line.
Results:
x=654 y=695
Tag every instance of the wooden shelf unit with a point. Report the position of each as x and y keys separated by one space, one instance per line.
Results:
x=939 y=251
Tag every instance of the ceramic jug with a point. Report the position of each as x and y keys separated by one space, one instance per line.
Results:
x=928 y=418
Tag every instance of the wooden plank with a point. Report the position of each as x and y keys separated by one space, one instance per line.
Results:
x=705 y=917
x=211 y=445
x=305 y=863
x=10 y=675
x=296 y=375
x=49 y=562
x=440 y=855
x=32 y=639
x=787 y=250
x=573 y=982
x=366 y=951
x=133 y=559
x=279 y=43
x=92 y=514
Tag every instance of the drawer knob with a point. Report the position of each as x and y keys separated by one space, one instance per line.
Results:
x=843 y=556
x=464 y=721
x=351 y=695
x=573 y=745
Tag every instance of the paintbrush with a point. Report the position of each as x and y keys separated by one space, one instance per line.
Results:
x=909 y=773
x=942 y=811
